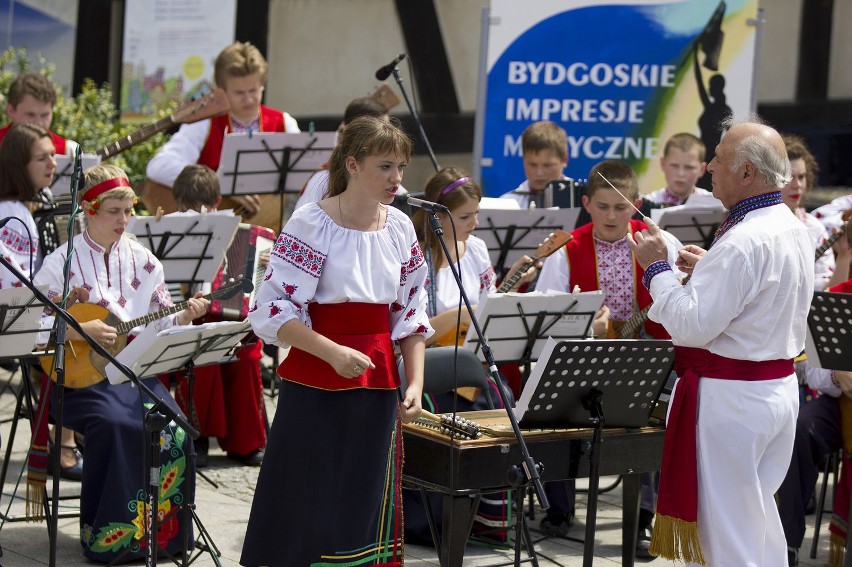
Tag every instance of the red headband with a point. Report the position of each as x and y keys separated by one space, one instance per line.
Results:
x=97 y=190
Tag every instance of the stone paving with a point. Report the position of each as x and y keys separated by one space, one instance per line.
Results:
x=224 y=511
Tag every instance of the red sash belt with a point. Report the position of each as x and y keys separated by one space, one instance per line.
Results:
x=675 y=533
x=364 y=327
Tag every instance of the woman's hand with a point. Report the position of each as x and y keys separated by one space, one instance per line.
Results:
x=410 y=406
x=527 y=276
x=350 y=363
x=196 y=306
x=98 y=330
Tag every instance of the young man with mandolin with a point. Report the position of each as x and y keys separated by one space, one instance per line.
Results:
x=240 y=71
x=599 y=257
x=124 y=282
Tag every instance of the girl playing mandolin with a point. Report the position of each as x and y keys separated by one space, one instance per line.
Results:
x=126 y=281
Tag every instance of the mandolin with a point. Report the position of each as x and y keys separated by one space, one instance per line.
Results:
x=208 y=106
x=84 y=367
x=551 y=244
x=834 y=236
x=627 y=329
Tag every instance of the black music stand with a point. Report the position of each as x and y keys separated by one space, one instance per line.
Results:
x=570 y=384
x=830 y=331
x=511 y=233
x=191 y=247
x=153 y=353
x=61 y=185
x=272 y=162
x=690 y=225
x=519 y=324
x=20 y=316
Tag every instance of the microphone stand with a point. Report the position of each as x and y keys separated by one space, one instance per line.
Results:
x=528 y=471
x=416 y=116
x=155 y=419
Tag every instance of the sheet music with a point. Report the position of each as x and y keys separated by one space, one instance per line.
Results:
x=153 y=352
x=566 y=316
x=61 y=186
x=191 y=246
x=253 y=163
x=19 y=324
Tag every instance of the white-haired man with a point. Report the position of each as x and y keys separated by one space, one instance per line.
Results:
x=736 y=327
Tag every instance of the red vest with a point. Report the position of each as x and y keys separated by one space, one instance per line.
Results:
x=842 y=287
x=59 y=143
x=583 y=264
x=271 y=120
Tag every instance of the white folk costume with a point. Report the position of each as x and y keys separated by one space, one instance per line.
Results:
x=128 y=281
x=329 y=488
x=736 y=325
x=831 y=215
x=18 y=242
x=477 y=277
x=824 y=265
x=665 y=196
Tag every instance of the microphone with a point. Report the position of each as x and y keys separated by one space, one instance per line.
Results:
x=426 y=205
x=384 y=72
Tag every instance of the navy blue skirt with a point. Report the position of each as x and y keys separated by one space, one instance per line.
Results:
x=329 y=487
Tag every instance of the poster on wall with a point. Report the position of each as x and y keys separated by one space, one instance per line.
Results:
x=620 y=78
x=42 y=27
x=169 y=50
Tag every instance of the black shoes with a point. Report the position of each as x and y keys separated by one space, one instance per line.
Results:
x=75 y=471
x=556 y=527
x=643 y=544
x=202 y=447
x=253 y=459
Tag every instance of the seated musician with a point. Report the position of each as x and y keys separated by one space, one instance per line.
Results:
x=454 y=189
x=240 y=70
x=31 y=99
x=124 y=279
x=544 y=146
x=599 y=257
x=683 y=165
x=227 y=398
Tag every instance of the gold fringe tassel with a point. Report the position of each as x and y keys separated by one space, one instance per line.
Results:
x=836 y=549
x=676 y=540
x=35 y=497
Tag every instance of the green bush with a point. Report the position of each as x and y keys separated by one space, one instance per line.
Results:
x=89 y=118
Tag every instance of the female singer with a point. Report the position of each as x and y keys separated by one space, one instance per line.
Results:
x=127 y=280
x=27 y=164
x=344 y=282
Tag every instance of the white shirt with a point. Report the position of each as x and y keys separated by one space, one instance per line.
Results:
x=129 y=284
x=749 y=296
x=659 y=196
x=830 y=215
x=18 y=242
x=477 y=277
x=185 y=148
x=315 y=259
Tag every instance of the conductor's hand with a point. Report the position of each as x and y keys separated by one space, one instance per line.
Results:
x=98 y=330
x=251 y=203
x=527 y=276
x=688 y=256
x=349 y=362
x=844 y=378
x=196 y=306
x=410 y=406
x=648 y=246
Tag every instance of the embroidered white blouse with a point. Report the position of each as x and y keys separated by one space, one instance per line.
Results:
x=16 y=244
x=477 y=277
x=130 y=283
x=316 y=260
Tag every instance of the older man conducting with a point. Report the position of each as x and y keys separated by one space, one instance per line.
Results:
x=736 y=326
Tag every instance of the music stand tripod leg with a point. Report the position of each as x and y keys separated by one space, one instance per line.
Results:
x=189 y=507
x=519 y=482
x=594 y=403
